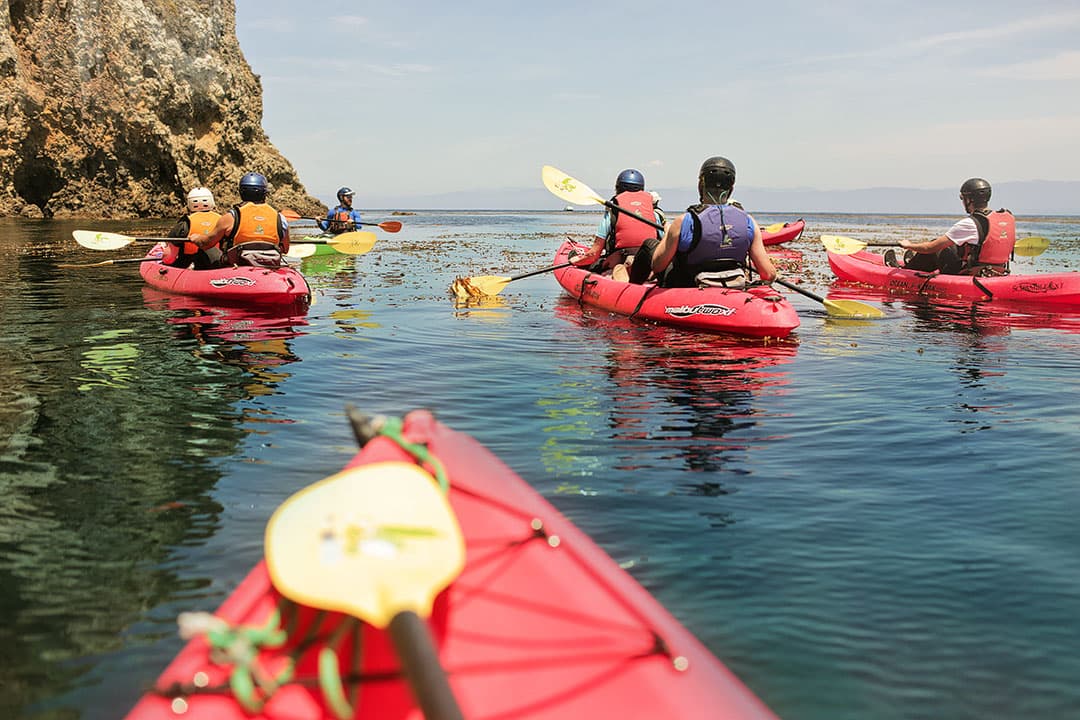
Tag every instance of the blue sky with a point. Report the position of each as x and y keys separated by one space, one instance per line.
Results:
x=409 y=98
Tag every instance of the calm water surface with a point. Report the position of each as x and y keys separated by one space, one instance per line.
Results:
x=869 y=519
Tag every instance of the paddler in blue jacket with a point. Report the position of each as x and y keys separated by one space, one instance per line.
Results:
x=343 y=218
x=710 y=243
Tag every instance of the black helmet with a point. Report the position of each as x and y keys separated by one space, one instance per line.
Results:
x=629 y=180
x=344 y=192
x=976 y=190
x=717 y=172
x=253 y=187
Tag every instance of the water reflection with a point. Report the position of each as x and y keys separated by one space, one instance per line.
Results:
x=670 y=396
x=253 y=339
x=982 y=318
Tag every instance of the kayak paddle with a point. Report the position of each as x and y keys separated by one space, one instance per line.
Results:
x=390 y=226
x=108 y=262
x=494 y=284
x=573 y=191
x=98 y=240
x=1026 y=247
x=377 y=542
x=350 y=243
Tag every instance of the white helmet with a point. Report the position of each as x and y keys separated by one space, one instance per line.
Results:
x=200 y=199
x=655 y=198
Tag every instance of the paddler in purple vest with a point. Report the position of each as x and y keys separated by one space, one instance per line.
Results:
x=618 y=236
x=980 y=244
x=712 y=239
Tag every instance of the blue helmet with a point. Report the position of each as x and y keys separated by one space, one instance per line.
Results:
x=344 y=192
x=629 y=180
x=253 y=187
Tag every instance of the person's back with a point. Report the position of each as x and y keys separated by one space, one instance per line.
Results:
x=710 y=243
x=251 y=233
x=979 y=244
x=201 y=218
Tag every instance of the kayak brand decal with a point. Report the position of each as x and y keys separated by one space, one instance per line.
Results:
x=236 y=280
x=681 y=311
x=370 y=540
x=1038 y=288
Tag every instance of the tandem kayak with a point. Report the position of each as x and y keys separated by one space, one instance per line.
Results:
x=540 y=623
x=754 y=312
x=867 y=268
x=782 y=232
x=237 y=284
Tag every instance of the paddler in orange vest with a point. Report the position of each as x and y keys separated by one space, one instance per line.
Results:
x=201 y=218
x=249 y=232
x=980 y=244
x=618 y=236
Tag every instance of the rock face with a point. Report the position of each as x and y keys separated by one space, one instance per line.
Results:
x=115 y=108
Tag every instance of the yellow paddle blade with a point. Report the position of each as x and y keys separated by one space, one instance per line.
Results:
x=373 y=541
x=775 y=227
x=353 y=243
x=852 y=309
x=1031 y=246
x=298 y=251
x=96 y=240
x=842 y=245
x=479 y=286
x=572 y=191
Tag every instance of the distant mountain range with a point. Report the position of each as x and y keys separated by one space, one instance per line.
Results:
x=1036 y=197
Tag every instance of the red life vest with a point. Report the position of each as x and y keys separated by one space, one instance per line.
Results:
x=630 y=234
x=997 y=236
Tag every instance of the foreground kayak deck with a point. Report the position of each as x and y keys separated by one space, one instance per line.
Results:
x=869 y=268
x=789 y=231
x=240 y=284
x=540 y=624
x=756 y=312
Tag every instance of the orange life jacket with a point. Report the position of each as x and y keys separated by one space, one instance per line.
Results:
x=199 y=222
x=253 y=223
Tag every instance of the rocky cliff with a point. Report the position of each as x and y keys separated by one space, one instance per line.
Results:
x=114 y=108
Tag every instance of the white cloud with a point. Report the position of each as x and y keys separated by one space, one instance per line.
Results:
x=1063 y=66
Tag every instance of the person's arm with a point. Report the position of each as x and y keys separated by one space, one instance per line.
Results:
x=760 y=258
x=223 y=226
x=669 y=243
x=180 y=229
x=357 y=220
x=589 y=256
x=929 y=247
x=324 y=224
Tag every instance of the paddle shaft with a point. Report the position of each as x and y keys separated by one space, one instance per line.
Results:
x=560 y=266
x=112 y=262
x=387 y=225
x=426 y=677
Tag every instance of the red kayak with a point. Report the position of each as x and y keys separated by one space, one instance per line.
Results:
x=1062 y=288
x=781 y=233
x=238 y=284
x=541 y=623
x=755 y=312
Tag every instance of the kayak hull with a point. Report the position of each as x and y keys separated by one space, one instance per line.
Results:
x=869 y=268
x=756 y=312
x=540 y=624
x=239 y=285
x=790 y=231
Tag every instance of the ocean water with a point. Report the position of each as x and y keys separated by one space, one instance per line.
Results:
x=867 y=519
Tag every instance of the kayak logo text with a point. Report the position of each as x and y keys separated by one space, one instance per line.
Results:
x=681 y=311
x=222 y=282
